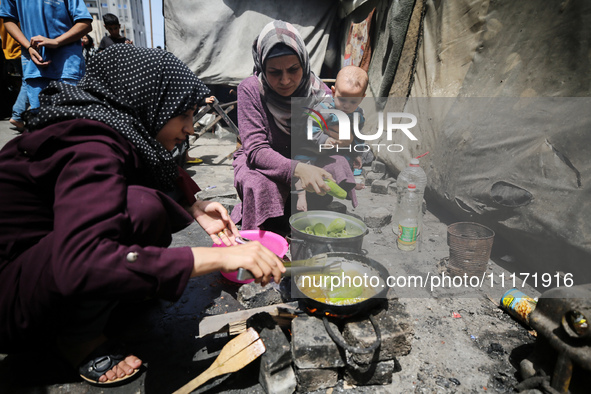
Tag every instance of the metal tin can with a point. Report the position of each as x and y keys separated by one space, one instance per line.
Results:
x=518 y=304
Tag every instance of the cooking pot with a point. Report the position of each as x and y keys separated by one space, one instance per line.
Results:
x=304 y=245
x=362 y=265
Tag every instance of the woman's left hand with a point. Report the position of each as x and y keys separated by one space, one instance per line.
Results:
x=214 y=219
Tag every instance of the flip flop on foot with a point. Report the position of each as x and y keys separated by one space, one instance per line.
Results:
x=194 y=160
x=112 y=361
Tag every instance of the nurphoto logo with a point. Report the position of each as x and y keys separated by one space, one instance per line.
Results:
x=393 y=120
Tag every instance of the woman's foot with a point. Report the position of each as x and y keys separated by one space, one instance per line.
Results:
x=126 y=368
x=99 y=361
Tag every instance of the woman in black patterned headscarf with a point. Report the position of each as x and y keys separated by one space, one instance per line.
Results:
x=84 y=222
x=135 y=91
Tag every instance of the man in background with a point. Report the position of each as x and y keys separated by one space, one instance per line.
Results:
x=114 y=28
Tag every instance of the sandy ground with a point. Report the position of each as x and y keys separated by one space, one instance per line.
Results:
x=462 y=342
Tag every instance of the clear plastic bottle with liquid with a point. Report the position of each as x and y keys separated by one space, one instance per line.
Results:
x=408 y=219
x=412 y=174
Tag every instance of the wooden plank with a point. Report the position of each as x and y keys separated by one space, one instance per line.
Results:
x=221 y=323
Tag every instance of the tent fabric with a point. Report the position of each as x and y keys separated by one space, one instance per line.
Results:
x=503 y=153
x=214 y=37
x=388 y=45
x=348 y=6
x=508 y=146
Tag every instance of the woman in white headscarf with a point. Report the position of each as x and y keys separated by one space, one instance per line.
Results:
x=263 y=168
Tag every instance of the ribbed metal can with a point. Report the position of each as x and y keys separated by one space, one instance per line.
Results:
x=470 y=245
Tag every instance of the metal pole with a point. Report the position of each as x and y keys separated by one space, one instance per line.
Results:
x=151 y=31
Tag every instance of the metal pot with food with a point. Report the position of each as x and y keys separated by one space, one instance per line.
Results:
x=316 y=232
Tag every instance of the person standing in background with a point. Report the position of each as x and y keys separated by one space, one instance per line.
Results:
x=114 y=28
x=13 y=69
x=50 y=35
x=88 y=49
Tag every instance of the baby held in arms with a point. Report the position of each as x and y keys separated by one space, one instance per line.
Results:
x=348 y=92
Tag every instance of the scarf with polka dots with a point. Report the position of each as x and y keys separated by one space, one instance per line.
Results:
x=136 y=91
x=280 y=32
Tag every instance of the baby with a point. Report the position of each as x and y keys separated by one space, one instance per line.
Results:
x=348 y=92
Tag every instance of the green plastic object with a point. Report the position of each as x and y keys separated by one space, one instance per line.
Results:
x=336 y=190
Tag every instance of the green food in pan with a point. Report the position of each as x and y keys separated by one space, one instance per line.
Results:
x=344 y=293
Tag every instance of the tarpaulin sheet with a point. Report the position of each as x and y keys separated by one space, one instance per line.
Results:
x=392 y=25
x=214 y=37
x=528 y=179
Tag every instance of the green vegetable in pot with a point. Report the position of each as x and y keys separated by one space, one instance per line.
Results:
x=336 y=190
x=336 y=226
x=320 y=229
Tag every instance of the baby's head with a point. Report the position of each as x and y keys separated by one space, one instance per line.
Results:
x=349 y=88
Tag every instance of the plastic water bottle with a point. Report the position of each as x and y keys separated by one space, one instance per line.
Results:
x=412 y=174
x=408 y=219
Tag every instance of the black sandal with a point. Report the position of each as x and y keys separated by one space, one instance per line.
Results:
x=103 y=359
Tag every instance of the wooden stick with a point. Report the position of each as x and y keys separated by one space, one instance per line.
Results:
x=221 y=323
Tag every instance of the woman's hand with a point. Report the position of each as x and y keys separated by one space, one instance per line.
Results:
x=312 y=178
x=253 y=256
x=260 y=261
x=214 y=219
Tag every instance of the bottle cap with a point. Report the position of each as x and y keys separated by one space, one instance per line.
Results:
x=412 y=186
x=414 y=162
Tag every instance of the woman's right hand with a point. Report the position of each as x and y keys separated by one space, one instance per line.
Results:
x=260 y=261
x=312 y=178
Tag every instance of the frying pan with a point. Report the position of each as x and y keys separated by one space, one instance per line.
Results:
x=362 y=264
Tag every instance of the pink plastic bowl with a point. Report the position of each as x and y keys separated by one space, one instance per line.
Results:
x=274 y=242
